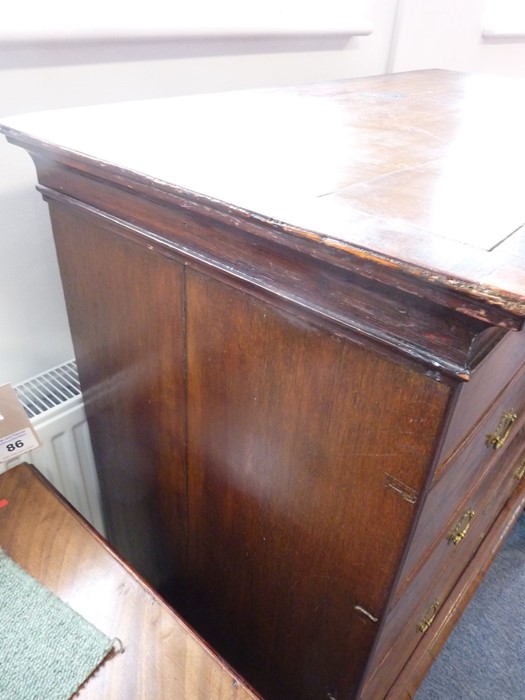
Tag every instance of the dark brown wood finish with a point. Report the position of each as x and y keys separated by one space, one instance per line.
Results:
x=352 y=300
x=293 y=490
x=296 y=314
x=441 y=566
x=476 y=398
x=126 y=310
x=313 y=162
x=413 y=673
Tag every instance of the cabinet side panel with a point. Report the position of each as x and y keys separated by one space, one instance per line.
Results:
x=294 y=535
x=125 y=309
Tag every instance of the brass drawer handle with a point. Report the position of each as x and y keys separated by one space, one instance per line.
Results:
x=498 y=437
x=461 y=528
x=428 y=618
x=520 y=471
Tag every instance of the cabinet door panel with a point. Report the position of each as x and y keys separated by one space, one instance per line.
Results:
x=125 y=309
x=293 y=536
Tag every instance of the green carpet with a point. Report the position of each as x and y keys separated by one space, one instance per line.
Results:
x=47 y=650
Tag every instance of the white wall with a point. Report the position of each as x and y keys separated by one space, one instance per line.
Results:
x=448 y=34
x=34 y=333
x=408 y=34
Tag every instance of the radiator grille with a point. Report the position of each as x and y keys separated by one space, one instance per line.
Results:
x=53 y=402
x=49 y=389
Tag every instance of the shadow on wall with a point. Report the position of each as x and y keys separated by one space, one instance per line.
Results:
x=30 y=288
x=65 y=53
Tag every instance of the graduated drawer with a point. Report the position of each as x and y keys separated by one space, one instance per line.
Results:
x=460 y=475
x=414 y=606
x=475 y=396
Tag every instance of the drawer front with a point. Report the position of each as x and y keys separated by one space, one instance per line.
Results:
x=495 y=372
x=459 y=476
x=412 y=613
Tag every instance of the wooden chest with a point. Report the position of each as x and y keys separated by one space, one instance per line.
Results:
x=297 y=315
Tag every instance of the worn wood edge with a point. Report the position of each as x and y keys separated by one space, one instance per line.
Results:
x=26 y=467
x=408 y=681
x=436 y=474
x=484 y=302
x=437 y=366
x=411 y=574
x=477 y=429
x=373 y=666
x=434 y=465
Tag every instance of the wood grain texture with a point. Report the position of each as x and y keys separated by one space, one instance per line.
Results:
x=163 y=657
x=475 y=397
x=413 y=673
x=295 y=314
x=292 y=435
x=415 y=174
x=125 y=307
x=441 y=566
x=461 y=474
x=351 y=300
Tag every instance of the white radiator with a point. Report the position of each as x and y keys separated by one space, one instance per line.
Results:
x=53 y=402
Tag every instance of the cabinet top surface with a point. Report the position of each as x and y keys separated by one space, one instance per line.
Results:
x=419 y=171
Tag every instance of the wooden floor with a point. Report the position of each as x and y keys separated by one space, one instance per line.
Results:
x=162 y=657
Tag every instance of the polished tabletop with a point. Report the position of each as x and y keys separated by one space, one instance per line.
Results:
x=420 y=170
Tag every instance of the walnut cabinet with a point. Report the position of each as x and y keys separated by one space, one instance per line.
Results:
x=297 y=318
